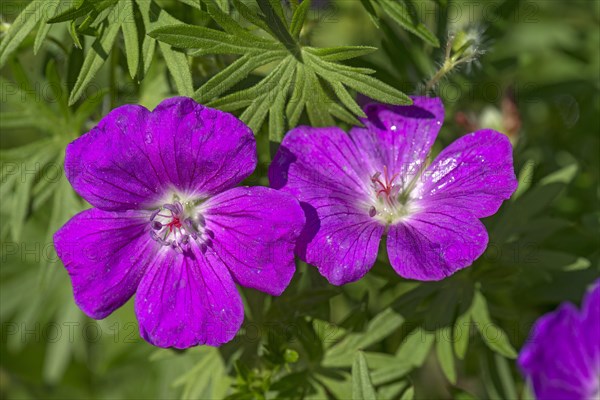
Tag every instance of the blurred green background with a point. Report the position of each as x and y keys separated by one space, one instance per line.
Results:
x=537 y=80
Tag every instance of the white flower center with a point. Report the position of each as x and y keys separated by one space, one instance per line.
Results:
x=178 y=225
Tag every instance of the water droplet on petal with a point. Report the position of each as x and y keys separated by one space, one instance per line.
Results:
x=121 y=123
x=148 y=137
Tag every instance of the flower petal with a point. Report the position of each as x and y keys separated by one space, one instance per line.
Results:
x=105 y=254
x=188 y=299
x=435 y=243
x=255 y=231
x=323 y=169
x=556 y=360
x=399 y=137
x=590 y=323
x=474 y=173
x=341 y=243
x=319 y=159
x=133 y=157
x=202 y=150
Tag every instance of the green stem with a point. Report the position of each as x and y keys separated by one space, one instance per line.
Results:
x=447 y=67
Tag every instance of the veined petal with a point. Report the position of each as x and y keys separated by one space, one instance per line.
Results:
x=556 y=359
x=323 y=169
x=399 y=137
x=319 y=159
x=341 y=243
x=105 y=254
x=433 y=244
x=134 y=156
x=255 y=231
x=202 y=150
x=474 y=173
x=188 y=299
x=590 y=322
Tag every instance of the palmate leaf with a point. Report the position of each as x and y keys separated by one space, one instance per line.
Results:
x=302 y=78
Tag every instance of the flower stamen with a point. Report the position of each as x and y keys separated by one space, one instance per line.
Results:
x=172 y=227
x=389 y=204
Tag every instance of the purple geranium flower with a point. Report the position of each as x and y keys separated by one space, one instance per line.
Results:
x=169 y=224
x=562 y=356
x=355 y=188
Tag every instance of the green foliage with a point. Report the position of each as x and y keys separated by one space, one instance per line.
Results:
x=402 y=13
x=277 y=65
x=362 y=388
x=302 y=77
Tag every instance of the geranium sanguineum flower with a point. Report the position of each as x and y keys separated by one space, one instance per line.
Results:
x=562 y=356
x=356 y=187
x=169 y=225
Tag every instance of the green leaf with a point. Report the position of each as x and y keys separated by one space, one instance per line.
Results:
x=340 y=53
x=56 y=87
x=416 y=347
x=395 y=370
x=178 y=66
x=279 y=78
x=339 y=385
x=229 y=24
x=317 y=113
x=130 y=37
x=276 y=117
x=378 y=328
x=342 y=114
x=359 y=82
x=95 y=57
x=251 y=16
x=368 y=5
x=444 y=354
x=295 y=105
x=286 y=90
x=525 y=179
x=87 y=108
x=210 y=41
x=20 y=28
x=298 y=18
x=534 y=201
x=506 y=379
x=495 y=338
x=20 y=206
x=362 y=388
x=564 y=175
x=204 y=380
x=59 y=352
x=409 y=394
x=71 y=14
x=557 y=260
x=49 y=10
x=275 y=18
x=233 y=74
x=347 y=99
x=397 y=11
x=461 y=334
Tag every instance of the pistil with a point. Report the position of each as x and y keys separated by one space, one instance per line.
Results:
x=390 y=203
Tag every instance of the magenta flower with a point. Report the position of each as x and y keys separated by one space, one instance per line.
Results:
x=169 y=225
x=562 y=356
x=355 y=188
